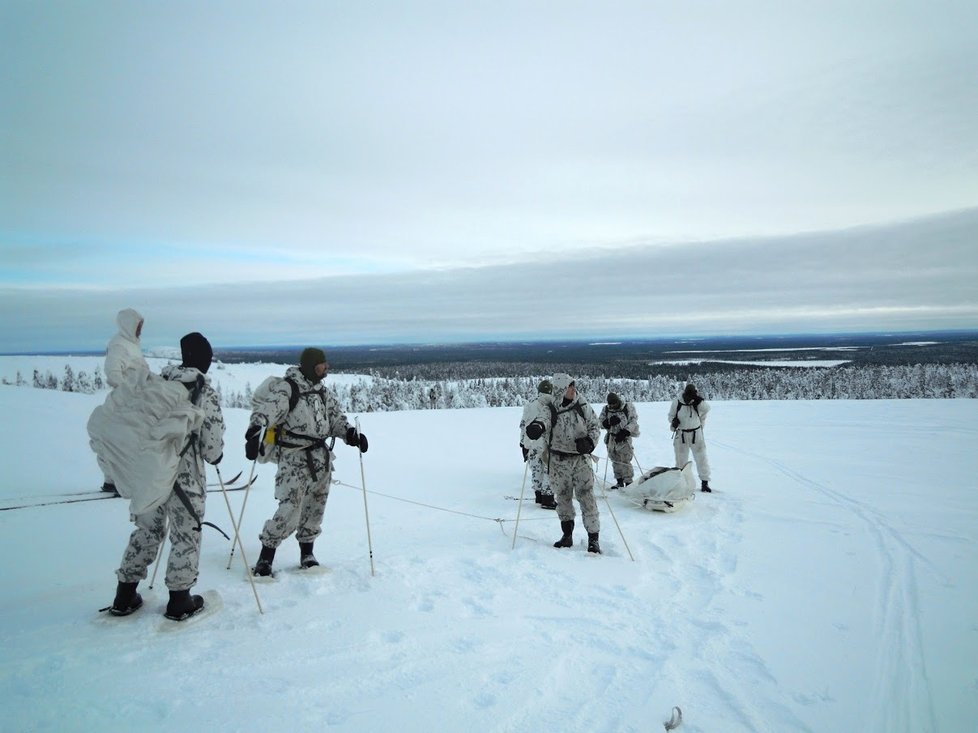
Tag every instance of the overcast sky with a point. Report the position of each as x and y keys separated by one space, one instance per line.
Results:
x=373 y=149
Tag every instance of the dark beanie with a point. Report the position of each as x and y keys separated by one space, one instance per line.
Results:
x=546 y=386
x=690 y=391
x=614 y=400
x=196 y=352
x=307 y=363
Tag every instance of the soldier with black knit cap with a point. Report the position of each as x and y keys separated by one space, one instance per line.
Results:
x=620 y=419
x=687 y=413
x=184 y=508
x=535 y=451
x=305 y=416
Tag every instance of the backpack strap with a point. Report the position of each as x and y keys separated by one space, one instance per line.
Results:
x=195 y=389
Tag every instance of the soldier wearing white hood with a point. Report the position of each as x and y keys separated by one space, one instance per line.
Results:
x=124 y=358
x=535 y=451
x=572 y=431
x=183 y=510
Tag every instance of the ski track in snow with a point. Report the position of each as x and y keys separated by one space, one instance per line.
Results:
x=901 y=671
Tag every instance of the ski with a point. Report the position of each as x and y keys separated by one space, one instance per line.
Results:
x=105 y=495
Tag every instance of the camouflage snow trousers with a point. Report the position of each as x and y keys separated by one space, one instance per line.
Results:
x=621 y=455
x=683 y=443
x=145 y=540
x=538 y=471
x=570 y=477
x=301 y=503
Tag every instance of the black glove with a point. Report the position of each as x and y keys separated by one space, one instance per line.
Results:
x=363 y=443
x=605 y=424
x=584 y=445
x=675 y=423
x=614 y=420
x=534 y=430
x=526 y=453
x=351 y=437
x=252 y=441
x=622 y=435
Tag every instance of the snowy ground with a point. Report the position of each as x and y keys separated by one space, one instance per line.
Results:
x=831 y=583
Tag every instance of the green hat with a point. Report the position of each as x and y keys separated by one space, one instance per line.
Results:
x=308 y=361
x=546 y=386
x=614 y=400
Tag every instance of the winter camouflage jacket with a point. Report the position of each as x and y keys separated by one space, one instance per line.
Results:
x=209 y=441
x=536 y=409
x=691 y=416
x=316 y=417
x=123 y=355
x=627 y=420
x=565 y=423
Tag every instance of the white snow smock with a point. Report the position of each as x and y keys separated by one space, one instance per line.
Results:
x=138 y=434
x=123 y=355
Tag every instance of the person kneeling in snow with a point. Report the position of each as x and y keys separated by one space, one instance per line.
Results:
x=184 y=508
x=572 y=431
x=304 y=414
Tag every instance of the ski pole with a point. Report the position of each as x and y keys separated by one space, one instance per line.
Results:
x=519 y=507
x=237 y=536
x=244 y=503
x=366 y=514
x=612 y=511
x=159 y=554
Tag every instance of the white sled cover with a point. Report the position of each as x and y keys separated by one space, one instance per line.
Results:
x=663 y=489
x=138 y=433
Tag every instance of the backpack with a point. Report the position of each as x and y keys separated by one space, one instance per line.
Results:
x=140 y=433
x=277 y=437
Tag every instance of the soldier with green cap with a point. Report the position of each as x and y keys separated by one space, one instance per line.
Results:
x=535 y=451
x=305 y=415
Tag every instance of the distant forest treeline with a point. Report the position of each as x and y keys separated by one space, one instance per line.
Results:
x=451 y=391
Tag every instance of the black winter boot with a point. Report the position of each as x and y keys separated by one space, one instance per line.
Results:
x=306 y=558
x=567 y=527
x=110 y=488
x=126 y=600
x=592 y=543
x=263 y=567
x=547 y=501
x=705 y=486
x=182 y=605
x=539 y=496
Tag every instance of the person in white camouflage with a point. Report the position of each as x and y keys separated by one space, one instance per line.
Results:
x=687 y=414
x=620 y=419
x=184 y=509
x=535 y=451
x=572 y=431
x=305 y=415
x=123 y=359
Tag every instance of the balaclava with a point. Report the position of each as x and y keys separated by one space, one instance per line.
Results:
x=308 y=361
x=196 y=352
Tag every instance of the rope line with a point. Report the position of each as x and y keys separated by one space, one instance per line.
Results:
x=498 y=520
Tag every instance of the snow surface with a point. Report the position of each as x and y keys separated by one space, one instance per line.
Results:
x=830 y=583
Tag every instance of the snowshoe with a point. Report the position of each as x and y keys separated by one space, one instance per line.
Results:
x=182 y=605
x=127 y=600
